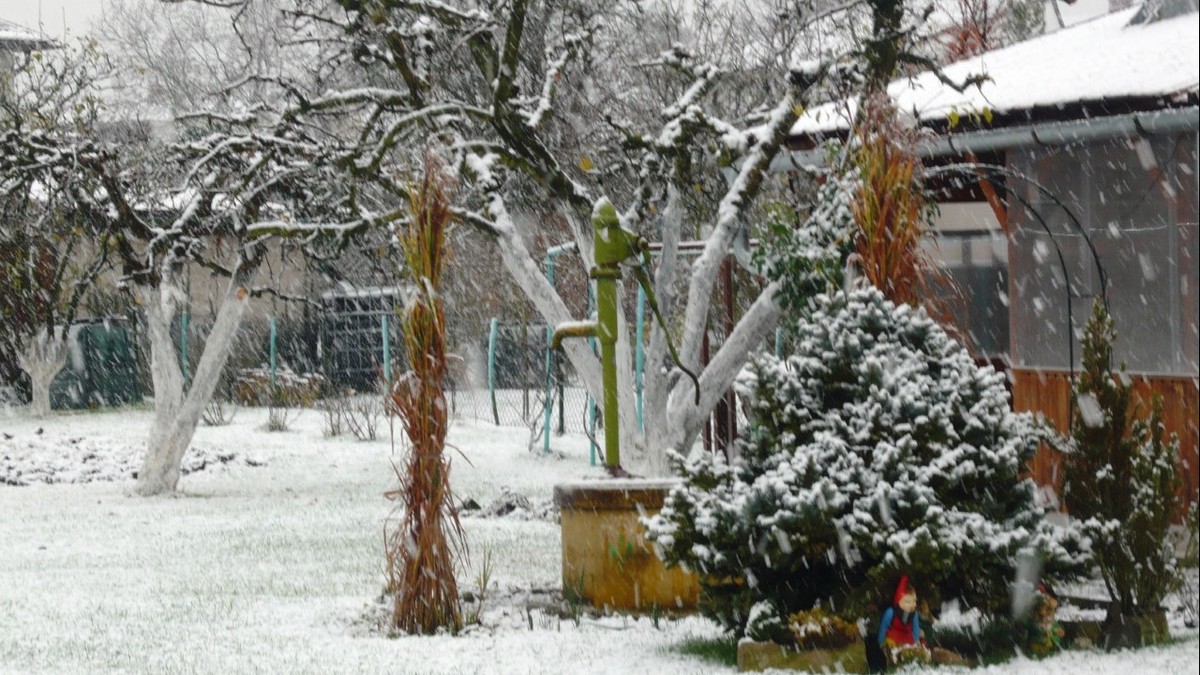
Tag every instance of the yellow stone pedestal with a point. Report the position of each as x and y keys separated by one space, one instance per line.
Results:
x=606 y=559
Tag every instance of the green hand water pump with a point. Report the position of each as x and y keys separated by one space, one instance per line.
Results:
x=613 y=246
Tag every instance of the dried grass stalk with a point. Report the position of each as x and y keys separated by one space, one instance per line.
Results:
x=890 y=209
x=423 y=546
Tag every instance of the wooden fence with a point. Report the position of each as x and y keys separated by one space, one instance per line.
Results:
x=1049 y=392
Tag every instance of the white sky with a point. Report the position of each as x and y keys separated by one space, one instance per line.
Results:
x=59 y=16
x=78 y=15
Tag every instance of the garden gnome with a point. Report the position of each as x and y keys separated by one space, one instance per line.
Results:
x=900 y=624
x=1046 y=633
x=899 y=638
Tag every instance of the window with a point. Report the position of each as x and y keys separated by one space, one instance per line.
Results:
x=1117 y=210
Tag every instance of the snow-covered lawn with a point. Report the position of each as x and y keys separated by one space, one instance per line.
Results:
x=270 y=561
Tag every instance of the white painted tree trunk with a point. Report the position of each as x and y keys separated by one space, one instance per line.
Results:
x=42 y=359
x=176 y=415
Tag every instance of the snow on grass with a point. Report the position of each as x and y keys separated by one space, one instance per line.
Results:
x=40 y=456
x=278 y=568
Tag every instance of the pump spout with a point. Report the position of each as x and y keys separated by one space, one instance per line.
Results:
x=573 y=329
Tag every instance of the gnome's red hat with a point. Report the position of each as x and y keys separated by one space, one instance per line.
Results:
x=901 y=590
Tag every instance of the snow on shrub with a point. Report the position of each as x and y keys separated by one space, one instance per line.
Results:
x=879 y=448
x=810 y=258
x=1120 y=476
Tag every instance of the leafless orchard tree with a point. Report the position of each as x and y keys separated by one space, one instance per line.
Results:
x=50 y=255
x=558 y=104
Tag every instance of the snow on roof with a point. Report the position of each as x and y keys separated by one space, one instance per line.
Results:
x=1104 y=59
x=15 y=37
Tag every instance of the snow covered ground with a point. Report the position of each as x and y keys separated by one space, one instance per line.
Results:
x=270 y=561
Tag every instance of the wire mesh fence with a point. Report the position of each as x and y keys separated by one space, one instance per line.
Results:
x=499 y=378
x=526 y=407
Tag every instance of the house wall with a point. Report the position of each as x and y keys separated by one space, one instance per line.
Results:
x=1121 y=210
x=1049 y=393
x=1135 y=201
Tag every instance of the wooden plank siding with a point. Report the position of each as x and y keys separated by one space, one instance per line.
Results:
x=1049 y=393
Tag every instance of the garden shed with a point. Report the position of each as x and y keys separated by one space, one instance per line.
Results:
x=1069 y=176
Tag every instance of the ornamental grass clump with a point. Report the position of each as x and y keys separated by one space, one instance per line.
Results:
x=422 y=547
x=878 y=449
x=1120 y=478
x=890 y=207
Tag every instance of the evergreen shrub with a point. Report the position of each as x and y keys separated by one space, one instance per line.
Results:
x=878 y=448
x=1120 y=477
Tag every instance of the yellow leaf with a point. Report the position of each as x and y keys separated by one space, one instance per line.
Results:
x=953 y=116
x=798 y=109
x=987 y=115
x=585 y=163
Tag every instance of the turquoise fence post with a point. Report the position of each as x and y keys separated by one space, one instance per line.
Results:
x=387 y=350
x=549 y=407
x=778 y=342
x=272 y=353
x=640 y=354
x=183 y=348
x=551 y=254
x=495 y=328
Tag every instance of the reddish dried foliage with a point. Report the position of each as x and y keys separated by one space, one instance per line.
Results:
x=891 y=209
x=422 y=548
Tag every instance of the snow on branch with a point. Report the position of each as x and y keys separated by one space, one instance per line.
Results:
x=704 y=76
x=509 y=61
x=389 y=138
x=290 y=229
x=571 y=46
x=381 y=97
x=446 y=13
x=478 y=220
x=763 y=143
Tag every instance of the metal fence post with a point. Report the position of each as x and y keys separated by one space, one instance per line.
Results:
x=387 y=355
x=495 y=328
x=183 y=348
x=272 y=353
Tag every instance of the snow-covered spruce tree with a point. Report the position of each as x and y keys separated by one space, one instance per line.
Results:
x=1120 y=478
x=879 y=448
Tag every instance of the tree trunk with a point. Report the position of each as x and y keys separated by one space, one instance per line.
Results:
x=176 y=415
x=43 y=358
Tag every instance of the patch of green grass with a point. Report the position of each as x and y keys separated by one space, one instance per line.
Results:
x=993 y=643
x=720 y=650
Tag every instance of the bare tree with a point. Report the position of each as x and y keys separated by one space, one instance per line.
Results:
x=675 y=111
x=50 y=254
x=177 y=59
x=215 y=202
x=497 y=87
x=544 y=108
